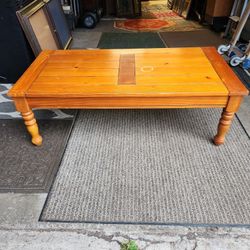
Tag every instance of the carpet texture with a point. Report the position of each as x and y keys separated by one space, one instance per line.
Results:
x=197 y=38
x=130 y=40
x=157 y=17
x=244 y=77
x=152 y=166
x=25 y=167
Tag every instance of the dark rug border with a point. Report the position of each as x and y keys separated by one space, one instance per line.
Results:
x=242 y=125
x=46 y=189
x=181 y=224
x=54 y=173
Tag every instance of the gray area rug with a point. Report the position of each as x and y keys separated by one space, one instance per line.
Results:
x=25 y=167
x=152 y=166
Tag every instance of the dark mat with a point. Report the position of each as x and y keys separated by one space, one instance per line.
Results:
x=130 y=40
x=244 y=77
x=200 y=38
x=8 y=110
x=27 y=168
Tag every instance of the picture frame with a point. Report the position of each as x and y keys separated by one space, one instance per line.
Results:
x=58 y=19
x=177 y=4
x=170 y=4
x=38 y=27
x=186 y=8
x=182 y=7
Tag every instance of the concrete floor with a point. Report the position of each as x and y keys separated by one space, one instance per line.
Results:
x=85 y=40
x=103 y=26
x=40 y=235
x=20 y=227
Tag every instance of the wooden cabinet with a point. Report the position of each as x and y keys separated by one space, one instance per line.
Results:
x=219 y=8
x=128 y=8
x=110 y=8
x=217 y=12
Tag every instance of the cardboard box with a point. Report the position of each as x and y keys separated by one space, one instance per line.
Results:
x=219 y=8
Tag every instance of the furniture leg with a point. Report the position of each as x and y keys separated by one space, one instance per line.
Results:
x=223 y=127
x=226 y=118
x=32 y=127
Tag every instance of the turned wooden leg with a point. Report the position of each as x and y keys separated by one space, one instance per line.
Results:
x=32 y=127
x=232 y=106
x=223 y=127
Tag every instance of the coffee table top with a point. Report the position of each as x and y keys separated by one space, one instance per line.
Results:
x=129 y=72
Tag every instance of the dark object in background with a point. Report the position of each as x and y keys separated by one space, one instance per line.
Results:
x=198 y=9
x=245 y=35
x=186 y=8
x=92 y=11
x=109 y=8
x=190 y=9
x=128 y=8
x=170 y=4
x=70 y=17
x=16 y=53
x=217 y=13
x=59 y=21
x=177 y=6
x=182 y=7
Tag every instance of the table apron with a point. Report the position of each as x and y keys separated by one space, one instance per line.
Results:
x=127 y=102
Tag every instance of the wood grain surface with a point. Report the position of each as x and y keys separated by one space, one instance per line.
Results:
x=164 y=72
x=231 y=81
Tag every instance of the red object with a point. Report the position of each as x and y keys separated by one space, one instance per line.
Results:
x=143 y=24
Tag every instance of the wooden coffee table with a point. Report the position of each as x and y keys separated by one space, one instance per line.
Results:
x=128 y=78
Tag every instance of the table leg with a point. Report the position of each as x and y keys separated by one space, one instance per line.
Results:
x=32 y=127
x=223 y=127
x=226 y=119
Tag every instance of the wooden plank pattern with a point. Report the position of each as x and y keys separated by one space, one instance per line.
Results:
x=153 y=72
x=26 y=80
x=231 y=81
x=164 y=72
